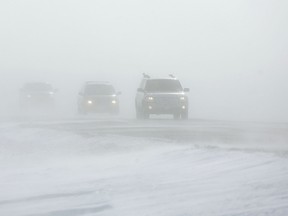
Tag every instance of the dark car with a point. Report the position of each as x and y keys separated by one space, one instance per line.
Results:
x=98 y=97
x=161 y=96
x=37 y=94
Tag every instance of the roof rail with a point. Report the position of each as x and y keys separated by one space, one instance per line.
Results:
x=97 y=82
x=146 y=76
x=172 y=76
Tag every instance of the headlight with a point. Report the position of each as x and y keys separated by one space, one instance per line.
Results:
x=89 y=102
x=182 y=98
x=150 y=98
x=113 y=101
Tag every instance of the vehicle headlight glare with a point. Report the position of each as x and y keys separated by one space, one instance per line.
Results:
x=150 y=98
x=182 y=98
x=113 y=101
x=89 y=102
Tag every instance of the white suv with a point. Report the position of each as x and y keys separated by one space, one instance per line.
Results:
x=161 y=96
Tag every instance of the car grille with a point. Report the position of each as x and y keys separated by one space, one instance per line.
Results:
x=166 y=101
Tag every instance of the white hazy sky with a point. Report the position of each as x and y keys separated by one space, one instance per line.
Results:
x=232 y=54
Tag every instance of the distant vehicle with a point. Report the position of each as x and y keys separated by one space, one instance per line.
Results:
x=37 y=94
x=98 y=97
x=161 y=96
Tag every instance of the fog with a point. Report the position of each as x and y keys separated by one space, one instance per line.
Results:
x=231 y=54
x=228 y=158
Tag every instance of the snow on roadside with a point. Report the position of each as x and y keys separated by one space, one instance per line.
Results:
x=54 y=173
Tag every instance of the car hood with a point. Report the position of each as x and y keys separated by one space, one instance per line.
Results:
x=100 y=96
x=166 y=94
x=38 y=93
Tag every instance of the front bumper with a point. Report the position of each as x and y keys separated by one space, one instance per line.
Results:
x=107 y=107
x=164 y=108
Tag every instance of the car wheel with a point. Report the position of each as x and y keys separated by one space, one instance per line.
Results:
x=184 y=115
x=138 y=114
x=81 y=111
x=115 y=112
x=141 y=114
x=176 y=116
x=146 y=116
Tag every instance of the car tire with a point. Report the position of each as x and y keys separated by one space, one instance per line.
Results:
x=138 y=114
x=145 y=115
x=81 y=111
x=115 y=112
x=176 y=116
x=141 y=114
x=184 y=115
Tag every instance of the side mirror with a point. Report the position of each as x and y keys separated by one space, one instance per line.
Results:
x=186 y=89
x=140 y=90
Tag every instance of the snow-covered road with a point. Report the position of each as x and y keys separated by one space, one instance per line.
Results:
x=82 y=166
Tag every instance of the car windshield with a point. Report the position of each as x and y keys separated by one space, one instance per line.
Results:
x=163 y=85
x=99 y=90
x=38 y=87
